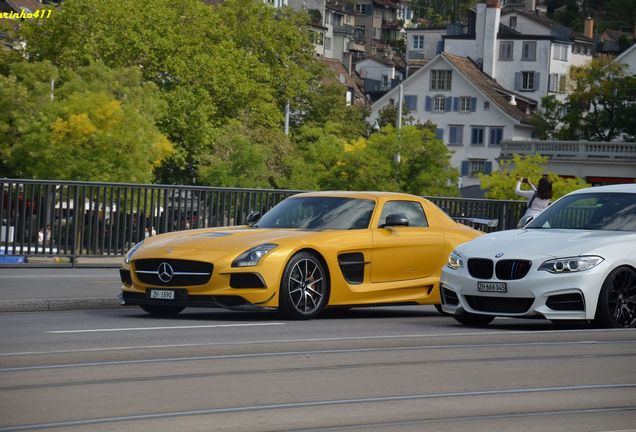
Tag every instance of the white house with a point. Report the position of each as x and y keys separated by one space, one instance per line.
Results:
x=628 y=57
x=523 y=50
x=473 y=113
x=379 y=74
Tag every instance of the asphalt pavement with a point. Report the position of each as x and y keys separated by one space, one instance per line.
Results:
x=63 y=288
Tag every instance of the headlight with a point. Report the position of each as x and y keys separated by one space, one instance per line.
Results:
x=571 y=264
x=252 y=256
x=132 y=251
x=455 y=261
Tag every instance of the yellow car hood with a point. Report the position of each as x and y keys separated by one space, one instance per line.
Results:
x=216 y=242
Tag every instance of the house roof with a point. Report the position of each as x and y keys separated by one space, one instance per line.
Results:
x=339 y=75
x=614 y=35
x=18 y=5
x=490 y=87
x=386 y=3
x=627 y=52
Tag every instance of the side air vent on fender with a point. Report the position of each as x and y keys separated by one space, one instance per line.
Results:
x=352 y=267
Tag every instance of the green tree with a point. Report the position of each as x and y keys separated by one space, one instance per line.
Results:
x=83 y=129
x=600 y=107
x=501 y=184
x=409 y=160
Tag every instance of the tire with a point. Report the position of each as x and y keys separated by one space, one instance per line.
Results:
x=616 y=307
x=304 y=290
x=470 y=319
x=160 y=310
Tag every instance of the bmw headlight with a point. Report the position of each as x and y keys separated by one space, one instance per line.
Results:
x=251 y=257
x=571 y=264
x=455 y=261
x=132 y=251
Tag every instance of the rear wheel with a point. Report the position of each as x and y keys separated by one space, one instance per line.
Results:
x=617 y=301
x=161 y=310
x=304 y=290
x=475 y=320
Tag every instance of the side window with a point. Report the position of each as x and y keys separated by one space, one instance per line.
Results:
x=411 y=209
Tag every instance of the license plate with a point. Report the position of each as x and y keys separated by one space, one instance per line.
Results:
x=492 y=287
x=162 y=294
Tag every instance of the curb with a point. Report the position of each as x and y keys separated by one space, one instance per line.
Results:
x=59 y=304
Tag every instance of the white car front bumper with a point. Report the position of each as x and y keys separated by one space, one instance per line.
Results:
x=564 y=296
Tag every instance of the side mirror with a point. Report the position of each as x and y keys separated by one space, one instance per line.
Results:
x=525 y=221
x=396 y=219
x=253 y=217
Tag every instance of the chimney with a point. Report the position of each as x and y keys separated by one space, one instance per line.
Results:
x=493 y=4
x=486 y=37
x=588 y=28
x=530 y=5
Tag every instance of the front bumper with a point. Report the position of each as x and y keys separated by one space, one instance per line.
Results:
x=182 y=298
x=567 y=296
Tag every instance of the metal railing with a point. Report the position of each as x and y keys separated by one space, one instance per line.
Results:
x=81 y=219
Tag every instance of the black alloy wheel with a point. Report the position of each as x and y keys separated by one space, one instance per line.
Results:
x=304 y=289
x=475 y=320
x=617 y=301
x=161 y=310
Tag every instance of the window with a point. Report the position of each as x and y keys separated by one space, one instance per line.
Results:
x=317 y=38
x=560 y=52
x=439 y=103
x=553 y=83
x=465 y=104
x=576 y=49
x=496 y=135
x=441 y=79
x=486 y=105
x=513 y=22
x=377 y=32
x=527 y=81
x=361 y=8
x=477 y=135
x=563 y=83
x=328 y=43
x=439 y=134
x=505 y=50
x=410 y=101
x=472 y=167
x=418 y=42
x=456 y=135
x=411 y=209
x=529 y=51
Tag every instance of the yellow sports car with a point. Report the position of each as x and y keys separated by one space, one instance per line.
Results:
x=309 y=252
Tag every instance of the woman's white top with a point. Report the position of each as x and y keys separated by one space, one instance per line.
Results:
x=537 y=205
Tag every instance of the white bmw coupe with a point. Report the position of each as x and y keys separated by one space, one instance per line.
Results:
x=575 y=261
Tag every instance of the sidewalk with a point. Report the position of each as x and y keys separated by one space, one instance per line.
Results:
x=59 y=288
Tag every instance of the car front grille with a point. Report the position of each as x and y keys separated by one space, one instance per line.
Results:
x=449 y=297
x=172 y=272
x=513 y=305
x=480 y=268
x=512 y=269
x=566 y=302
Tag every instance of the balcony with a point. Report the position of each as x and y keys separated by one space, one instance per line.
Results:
x=579 y=158
x=356 y=46
x=344 y=29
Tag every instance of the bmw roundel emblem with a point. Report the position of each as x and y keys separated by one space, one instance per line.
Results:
x=499 y=255
x=165 y=272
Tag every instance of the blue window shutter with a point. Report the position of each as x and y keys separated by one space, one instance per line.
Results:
x=439 y=134
x=465 y=168
x=460 y=135
x=455 y=104
x=488 y=167
x=428 y=103
x=453 y=135
x=473 y=136
x=411 y=102
x=518 y=80
x=449 y=103
x=537 y=75
x=473 y=104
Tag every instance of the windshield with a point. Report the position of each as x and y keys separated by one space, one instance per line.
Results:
x=590 y=211
x=319 y=213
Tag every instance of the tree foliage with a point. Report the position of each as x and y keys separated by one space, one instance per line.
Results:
x=83 y=129
x=600 y=107
x=501 y=184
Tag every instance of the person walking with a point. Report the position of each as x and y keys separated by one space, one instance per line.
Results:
x=538 y=197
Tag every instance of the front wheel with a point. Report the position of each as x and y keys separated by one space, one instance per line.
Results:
x=161 y=310
x=304 y=290
x=471 y=319
x=616 y=306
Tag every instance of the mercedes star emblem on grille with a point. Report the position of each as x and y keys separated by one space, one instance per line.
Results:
x=165 y=272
